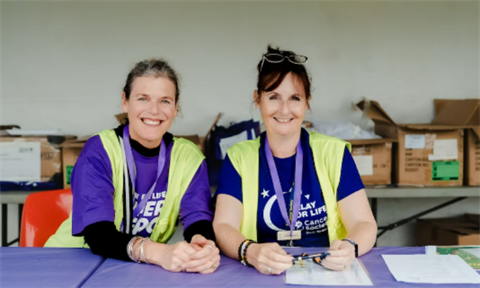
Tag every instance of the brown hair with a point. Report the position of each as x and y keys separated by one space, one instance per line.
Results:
x=153 y=67
x=271 y=75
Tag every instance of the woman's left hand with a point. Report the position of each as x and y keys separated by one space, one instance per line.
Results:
x=206 y=259
x=342 y=254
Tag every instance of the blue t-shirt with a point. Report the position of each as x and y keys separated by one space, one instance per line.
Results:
x=312 y=215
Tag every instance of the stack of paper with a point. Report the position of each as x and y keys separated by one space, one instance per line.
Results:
x=308 y=273
x=438 y=269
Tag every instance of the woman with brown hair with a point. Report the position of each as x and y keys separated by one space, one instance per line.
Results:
x=132 y=183
x=290 y=187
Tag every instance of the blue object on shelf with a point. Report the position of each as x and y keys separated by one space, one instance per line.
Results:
x=28 y=186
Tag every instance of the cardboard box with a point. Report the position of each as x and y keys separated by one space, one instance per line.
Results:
x=50 y=156
x=198 y=140
x=425 y=154
x=462 y=230
x=122 y=118
x=463 y=113
x=472 y=156
x=70 y=152
x=373 y=158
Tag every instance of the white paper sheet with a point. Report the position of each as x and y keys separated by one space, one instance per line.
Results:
x=431 y=250
x=444 y=149
x=20 y=161
x=364 y=164
x=437 y=269
x=475 y=251
x=414 y=141
x=314 y=274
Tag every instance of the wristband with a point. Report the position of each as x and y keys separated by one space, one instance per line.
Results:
x=354 y=244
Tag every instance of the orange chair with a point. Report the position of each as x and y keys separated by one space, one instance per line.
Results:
x=43 y=212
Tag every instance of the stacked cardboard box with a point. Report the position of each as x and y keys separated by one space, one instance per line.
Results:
x=463 y=113
x=373 y=158
x=70 y=152
x=31 y=158
x=462 y=230
x=425 y=154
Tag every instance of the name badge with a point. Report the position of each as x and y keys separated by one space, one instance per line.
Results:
x=285 y=235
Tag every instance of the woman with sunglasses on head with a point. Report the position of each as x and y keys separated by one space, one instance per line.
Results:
x=132 y=183
x=288 y=175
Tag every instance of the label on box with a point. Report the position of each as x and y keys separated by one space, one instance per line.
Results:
x=20 y=161
x=364 y=164
x=445 y=149
x=445 y=170
x=414 y=141
x=68 y=173
x=429 y=140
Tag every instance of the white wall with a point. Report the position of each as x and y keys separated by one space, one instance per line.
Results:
x=64 y=64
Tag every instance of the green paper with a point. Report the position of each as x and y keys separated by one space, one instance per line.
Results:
x=445 y=170
x=68 y=171
x=461 y=251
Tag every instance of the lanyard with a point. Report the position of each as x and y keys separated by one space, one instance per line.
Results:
x=131 y=169
x=295 y=202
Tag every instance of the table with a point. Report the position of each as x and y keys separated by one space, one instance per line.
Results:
x=46 y=267
x=230 y=273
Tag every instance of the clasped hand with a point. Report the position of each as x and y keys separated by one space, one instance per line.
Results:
x=200 y=255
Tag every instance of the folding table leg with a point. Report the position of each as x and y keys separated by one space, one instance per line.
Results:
x=4 y=224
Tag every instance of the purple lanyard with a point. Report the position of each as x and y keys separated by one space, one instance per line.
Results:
x=278 y=187
x=131 y=169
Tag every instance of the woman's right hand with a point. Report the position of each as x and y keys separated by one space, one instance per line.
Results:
x=268 y=258
x=169 y=257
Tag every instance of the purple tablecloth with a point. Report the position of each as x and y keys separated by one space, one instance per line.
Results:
x=115 y=273
x=46 y=267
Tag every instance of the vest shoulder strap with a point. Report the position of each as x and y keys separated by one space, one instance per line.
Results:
x=245 y=159
x=185 y=159
x=328 y=152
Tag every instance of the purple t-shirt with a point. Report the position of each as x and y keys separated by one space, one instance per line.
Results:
x=93 y=190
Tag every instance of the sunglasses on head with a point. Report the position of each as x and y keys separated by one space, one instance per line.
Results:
x=278 y=58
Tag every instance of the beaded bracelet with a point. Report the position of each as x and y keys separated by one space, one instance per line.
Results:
x=244 y=249
x=243 y=255
x=240 y=250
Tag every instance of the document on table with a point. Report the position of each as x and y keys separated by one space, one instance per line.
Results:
x=446 y=269
x=306 y=272
x=470 y=254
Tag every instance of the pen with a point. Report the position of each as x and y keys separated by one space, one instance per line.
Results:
x=305 y=256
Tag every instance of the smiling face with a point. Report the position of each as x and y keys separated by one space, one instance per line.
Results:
x=283 y=109
x=151 y=109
